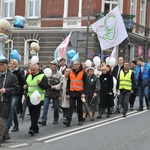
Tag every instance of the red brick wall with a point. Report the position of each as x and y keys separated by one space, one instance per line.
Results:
x=52 y=23
x=20 y=8
x=52 y=8
x=73 y=8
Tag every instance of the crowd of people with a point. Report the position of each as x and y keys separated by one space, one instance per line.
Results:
x=86 y=90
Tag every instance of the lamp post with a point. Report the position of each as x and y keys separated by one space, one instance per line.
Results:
x=88 y=24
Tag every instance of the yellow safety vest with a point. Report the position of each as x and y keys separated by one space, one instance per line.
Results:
x=33 y=86
x=125 y=81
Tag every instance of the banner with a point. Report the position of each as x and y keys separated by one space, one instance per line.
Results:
x=113 y=53
x=61 y=50
x=110 y=29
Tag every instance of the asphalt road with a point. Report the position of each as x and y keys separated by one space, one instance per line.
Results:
x=115 y=133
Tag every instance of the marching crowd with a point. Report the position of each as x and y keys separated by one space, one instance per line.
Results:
x=76 y=87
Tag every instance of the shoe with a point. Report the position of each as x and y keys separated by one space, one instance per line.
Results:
x=6 y=136
x=92 y=119
x=42 y=123
x=15 y=128
x=66 y=122
x=140 y=109
x=99 y=116
x=55 y=122
x=80 y=123
x=131 y=108
x=83 y=119
x=108 y=115
x=124 y=115
x=31 y=132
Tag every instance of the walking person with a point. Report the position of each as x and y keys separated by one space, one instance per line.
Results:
x=76 y=89
x=14 y=68
x=134 y=94
x=142 y=79
x=35 y=81
x=106 y=92
x=92 y=97
x=126 y=85
x=64 y=99
x=8 y=86
x=53 y=92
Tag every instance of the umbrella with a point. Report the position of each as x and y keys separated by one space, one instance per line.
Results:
x=86 y=107
x=24 y=105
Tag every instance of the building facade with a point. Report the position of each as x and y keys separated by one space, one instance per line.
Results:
x=48 y=22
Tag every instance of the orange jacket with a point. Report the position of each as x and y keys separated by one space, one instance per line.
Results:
x=76 y=82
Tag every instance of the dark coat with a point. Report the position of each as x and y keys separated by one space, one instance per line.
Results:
x=93 y=87
x=21 y=78
x=115 y=71
x=106 y=82
x=12 y=87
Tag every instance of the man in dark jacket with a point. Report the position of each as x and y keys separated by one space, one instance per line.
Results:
x=8 y=86
x=76 y=89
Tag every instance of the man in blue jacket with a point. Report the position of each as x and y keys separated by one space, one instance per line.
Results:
x=142 y=79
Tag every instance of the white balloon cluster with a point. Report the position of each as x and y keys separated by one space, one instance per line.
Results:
x=96 y=61
x=110 y=61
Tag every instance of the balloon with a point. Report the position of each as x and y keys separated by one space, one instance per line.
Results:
x=88 y=63
x=15 y=55
x=108 y=60
x=47 y=72
x=35 y=46
x=19 y=22
x=75 y=57
x=71 y=53
x=112 y=61
x=5 y=27
x=96 y=61
x=34 y=60
x=35 y=98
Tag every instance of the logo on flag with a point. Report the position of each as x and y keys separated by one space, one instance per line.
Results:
x=110 y=29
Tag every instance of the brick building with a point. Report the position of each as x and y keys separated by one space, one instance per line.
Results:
x=48 y=22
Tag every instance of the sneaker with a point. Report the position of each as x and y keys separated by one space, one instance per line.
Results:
x=42 y=123
x=15 y=128
x=140 y=109
x=80 y=123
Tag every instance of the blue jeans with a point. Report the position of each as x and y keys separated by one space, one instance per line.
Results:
x=143 y=91
x=13 y=113
x=46 y=107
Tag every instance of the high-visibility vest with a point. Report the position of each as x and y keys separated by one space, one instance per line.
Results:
x=125 y=81
x=33 y=86
x=76 y=82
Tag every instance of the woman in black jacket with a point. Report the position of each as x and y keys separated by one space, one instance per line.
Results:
x=106 y=91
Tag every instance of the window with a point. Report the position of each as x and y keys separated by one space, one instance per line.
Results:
x=142 y=12
x=8 y=8
x=133 y=9
x=33 y=8
x=109 y=5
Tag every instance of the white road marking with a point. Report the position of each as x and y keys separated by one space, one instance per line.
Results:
x=19 y=145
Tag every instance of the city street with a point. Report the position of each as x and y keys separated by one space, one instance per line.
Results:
x=114 y=133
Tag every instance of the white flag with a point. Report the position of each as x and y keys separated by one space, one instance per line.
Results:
x=113 y=53
x=61 y=50
x=110 y=29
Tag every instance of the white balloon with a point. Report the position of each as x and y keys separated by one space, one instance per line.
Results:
x=96 y=61
x=108 y=60
x=88 y=63
x=112 y=61
x=35 y=98
x=34 y=59
x=47 y=72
